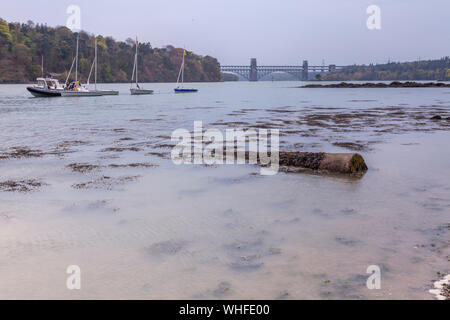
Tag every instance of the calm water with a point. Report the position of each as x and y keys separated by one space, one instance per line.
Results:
x=225 y=232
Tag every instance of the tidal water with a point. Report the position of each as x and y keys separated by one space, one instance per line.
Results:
x=89 y=182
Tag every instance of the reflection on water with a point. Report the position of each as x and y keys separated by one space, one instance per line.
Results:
x=141 y=227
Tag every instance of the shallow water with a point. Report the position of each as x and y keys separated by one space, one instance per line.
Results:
x=226 y=232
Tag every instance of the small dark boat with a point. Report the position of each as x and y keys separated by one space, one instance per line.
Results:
x=182 y=90
x=46 y=87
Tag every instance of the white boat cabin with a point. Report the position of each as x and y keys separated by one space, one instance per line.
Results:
x=48 y=83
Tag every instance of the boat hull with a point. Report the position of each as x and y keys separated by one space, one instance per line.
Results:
x=81 y=94
x=108 y=92
x=38 y=92
x=178 y=90
x=140 y=91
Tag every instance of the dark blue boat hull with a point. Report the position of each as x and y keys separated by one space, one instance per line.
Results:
x=178 y=90
x=38 y=92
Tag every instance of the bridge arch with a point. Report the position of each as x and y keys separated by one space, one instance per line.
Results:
x=242 y=71
x=264 y=73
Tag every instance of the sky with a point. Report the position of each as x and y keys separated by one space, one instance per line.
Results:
x=275 y=32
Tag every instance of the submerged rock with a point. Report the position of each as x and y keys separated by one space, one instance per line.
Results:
x=169 y=247
x=342 y=163
x=21 y=152
x=20 y=186
x=105 y=182
x=133 y=165
x=247 y=263
x=82 y=167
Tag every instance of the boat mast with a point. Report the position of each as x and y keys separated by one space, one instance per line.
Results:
x=42 y=65
x=179 y=75
x=70 y=71
x=90 y=72
x=132 y=74
x=181 y=72
x=182 y=66
x=95 y=64
x=136 y=61
x=76 y=61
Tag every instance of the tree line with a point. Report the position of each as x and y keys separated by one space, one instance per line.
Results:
x=22 y=46
x=417 y=70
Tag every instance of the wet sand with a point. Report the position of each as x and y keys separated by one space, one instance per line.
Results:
x=105 y=195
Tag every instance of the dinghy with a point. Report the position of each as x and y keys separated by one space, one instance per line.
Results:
x=180 y=88
x=137 y=90
x=94 y=67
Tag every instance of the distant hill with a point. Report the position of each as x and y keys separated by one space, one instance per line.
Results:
x=21 y=47
x=418 y=70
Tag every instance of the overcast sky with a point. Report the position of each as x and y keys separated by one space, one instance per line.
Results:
x=274 y=32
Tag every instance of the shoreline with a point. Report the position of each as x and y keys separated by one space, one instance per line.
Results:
x=394 y=84
x=342 y=84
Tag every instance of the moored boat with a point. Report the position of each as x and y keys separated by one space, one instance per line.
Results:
x=94 y=66
x=137 y=90
x=80 y=93
x=180 y=88
x=46 y=87
x=76 y=89
x=108 y=92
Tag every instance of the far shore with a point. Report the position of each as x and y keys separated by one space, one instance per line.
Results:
x=394 y=84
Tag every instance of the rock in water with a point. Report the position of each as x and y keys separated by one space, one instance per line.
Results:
x=436 y=118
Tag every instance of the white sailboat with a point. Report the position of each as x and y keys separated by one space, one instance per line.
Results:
x=94 y=67
x=75 y=89
x=180 y=88
x=137 y=90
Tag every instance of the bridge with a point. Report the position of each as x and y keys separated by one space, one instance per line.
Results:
x=253 y=72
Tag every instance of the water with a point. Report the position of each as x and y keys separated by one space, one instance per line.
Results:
x=157 y=230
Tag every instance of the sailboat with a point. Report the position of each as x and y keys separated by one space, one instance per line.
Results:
x=75 y=89
x=137 y=90
x=94 y=67
x=180 y=88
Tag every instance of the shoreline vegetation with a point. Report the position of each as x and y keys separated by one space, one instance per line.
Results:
x=423 y=70
x=22 y=46
x=394 y=84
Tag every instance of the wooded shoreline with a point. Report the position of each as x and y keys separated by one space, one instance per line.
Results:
x=394 y=84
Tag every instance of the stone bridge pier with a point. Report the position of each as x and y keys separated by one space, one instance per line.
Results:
x=253 y=70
